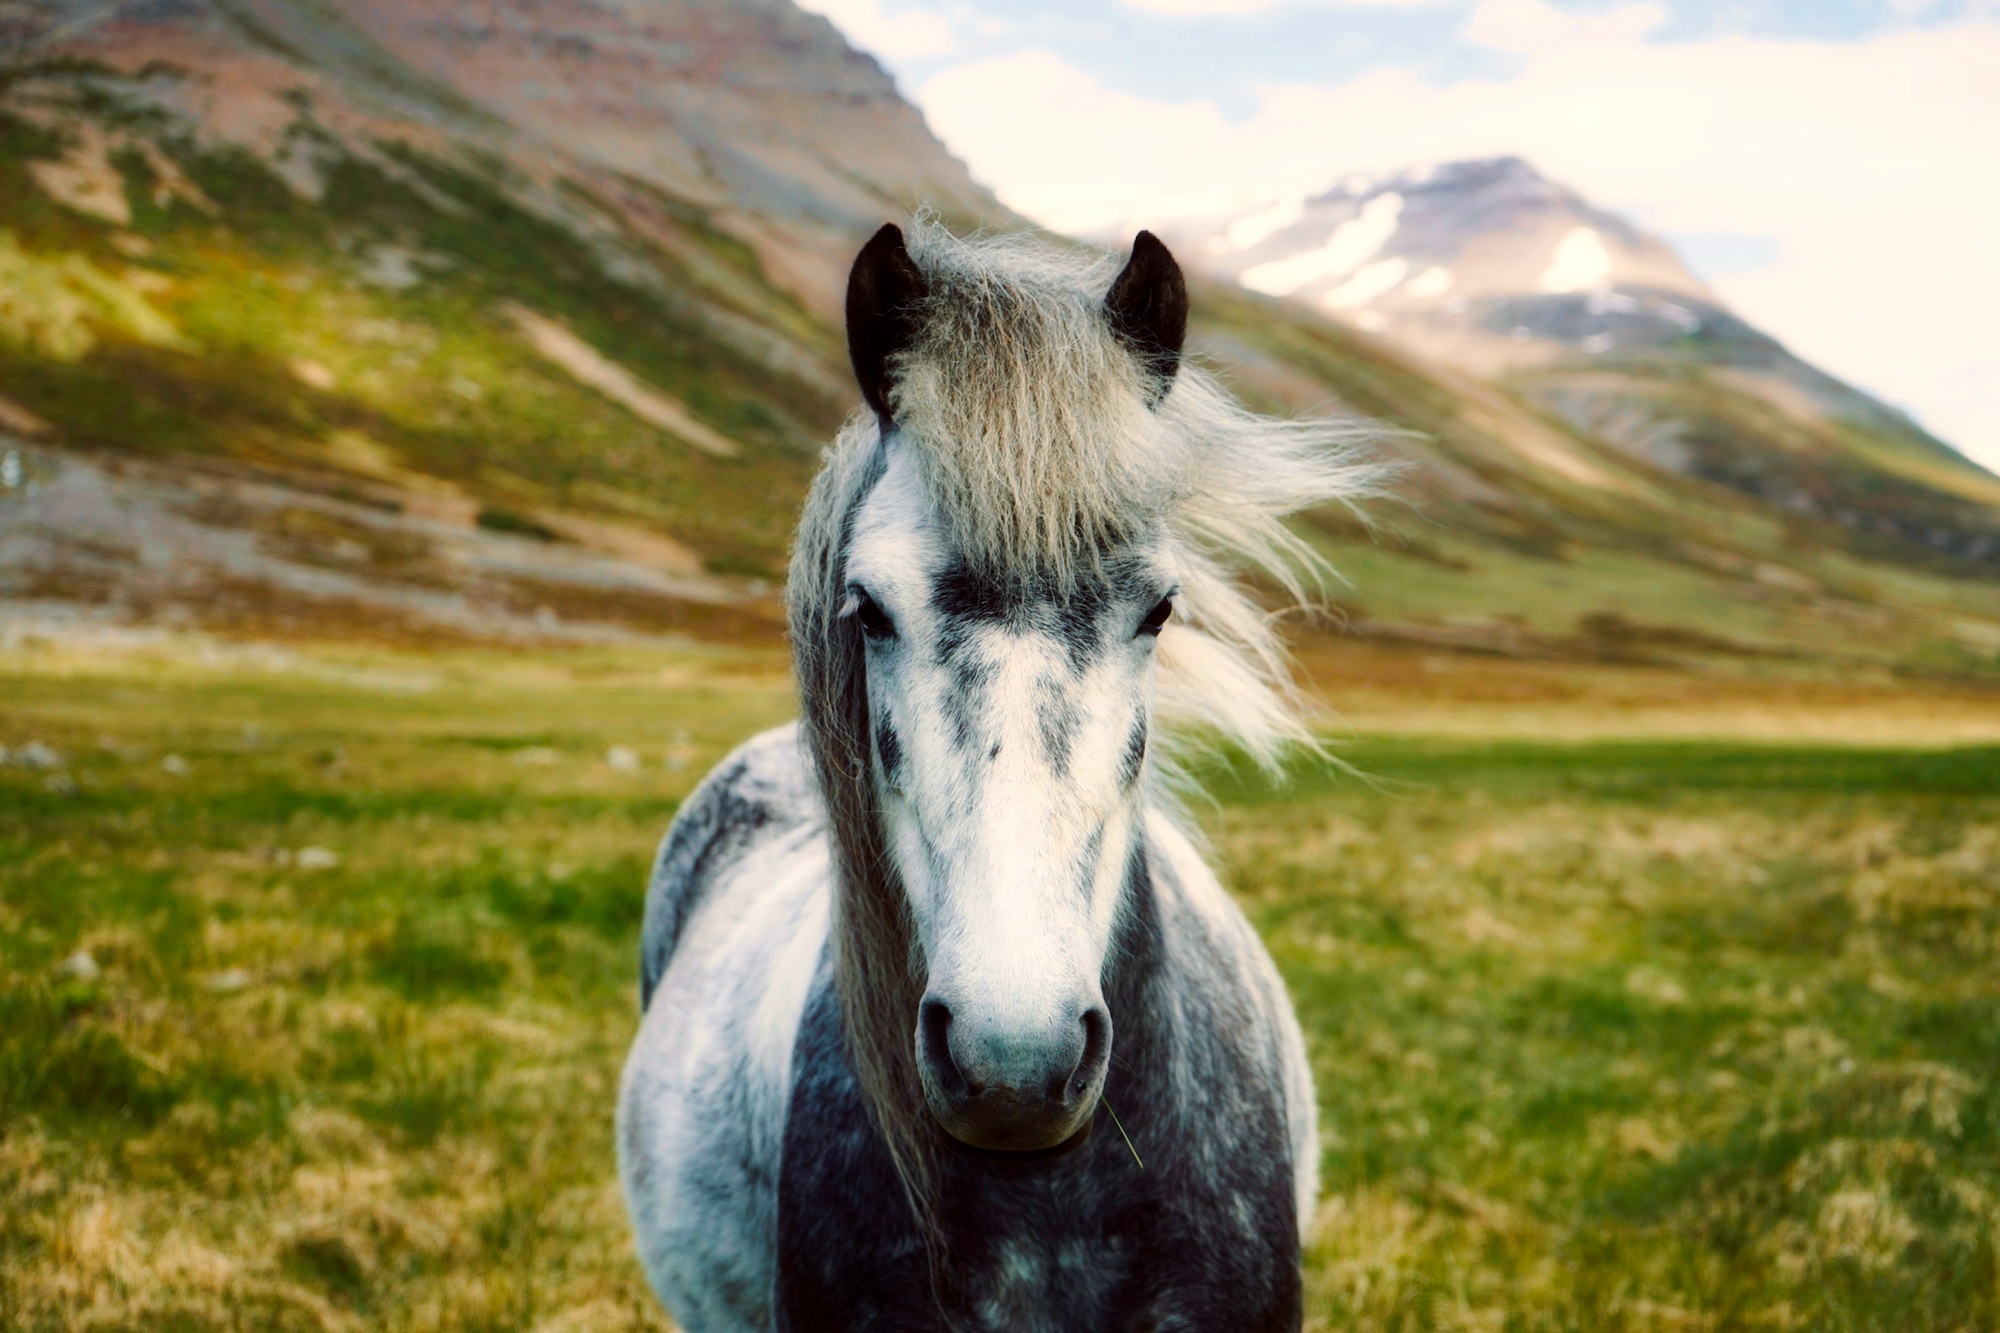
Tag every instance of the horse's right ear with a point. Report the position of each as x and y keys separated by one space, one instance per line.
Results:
x=885 y=294
x=1148 y=309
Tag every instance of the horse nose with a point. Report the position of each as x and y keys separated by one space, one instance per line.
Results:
x=1012 y=1086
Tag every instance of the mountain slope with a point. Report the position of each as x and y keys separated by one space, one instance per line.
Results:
x=403 y=258
x=520 y=319
x=751 y=110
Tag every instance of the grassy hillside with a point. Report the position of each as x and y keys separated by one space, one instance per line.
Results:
x=317 y=976
x=369 y=332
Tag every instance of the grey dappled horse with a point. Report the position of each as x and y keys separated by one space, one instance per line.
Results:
x=915 y=968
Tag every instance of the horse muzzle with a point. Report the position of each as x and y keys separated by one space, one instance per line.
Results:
x=1009 y=1087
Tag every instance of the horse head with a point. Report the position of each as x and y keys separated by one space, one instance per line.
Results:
x=1010 y=692
x=1015 y=556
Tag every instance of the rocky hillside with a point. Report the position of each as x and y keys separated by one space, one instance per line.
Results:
x=518 y=319
x=530 y=305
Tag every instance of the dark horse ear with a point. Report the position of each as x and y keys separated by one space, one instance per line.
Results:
x=1148 y=309
x=885 y=291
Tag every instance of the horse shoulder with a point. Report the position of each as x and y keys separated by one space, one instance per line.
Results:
x=761 y=786
x=1182 y=872
x=735 y=932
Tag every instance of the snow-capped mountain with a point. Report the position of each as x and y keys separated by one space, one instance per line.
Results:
x=1486 y=264
x=1490 y=268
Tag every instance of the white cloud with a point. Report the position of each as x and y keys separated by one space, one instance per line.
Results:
x=907 y=35
x=1061 y=147
x=1875 y=164
x=1524 y=27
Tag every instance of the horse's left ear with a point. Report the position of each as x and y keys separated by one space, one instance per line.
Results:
x=885 y=292
x=1148 y=310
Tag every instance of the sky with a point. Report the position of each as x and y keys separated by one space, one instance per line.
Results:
x=1832 y=167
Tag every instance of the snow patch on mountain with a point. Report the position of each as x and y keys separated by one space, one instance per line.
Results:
x=1375 y=280
x=1433 y=281
x=1581 y=262
x=1265 y=222
x=1487 y=264
x=1352 y=244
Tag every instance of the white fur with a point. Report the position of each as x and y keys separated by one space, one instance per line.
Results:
x=1012 y=864
x=701 y=1111
x=1200 y=890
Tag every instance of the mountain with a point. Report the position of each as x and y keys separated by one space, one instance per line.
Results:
x=1418 y=252
x=751 y=111
x=1493 y=269
x=518 y=319
x=429 y=313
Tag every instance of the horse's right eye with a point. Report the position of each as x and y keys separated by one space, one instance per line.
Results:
x=875 y=622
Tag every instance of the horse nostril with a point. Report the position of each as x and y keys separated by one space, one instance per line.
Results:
x=1096 y=1051
x=934 y=1043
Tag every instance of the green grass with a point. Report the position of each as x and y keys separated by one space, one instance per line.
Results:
x=1634 y=1035
x=365 y=977
x=1624 y=1035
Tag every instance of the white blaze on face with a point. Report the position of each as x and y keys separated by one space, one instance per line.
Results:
x=1005 y=755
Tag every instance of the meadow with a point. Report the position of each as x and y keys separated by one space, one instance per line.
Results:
x=317 y=969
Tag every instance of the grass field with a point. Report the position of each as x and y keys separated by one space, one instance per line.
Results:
x=317 y=969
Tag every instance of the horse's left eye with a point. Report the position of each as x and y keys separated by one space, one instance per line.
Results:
x=1156 y=618
x=875 y=622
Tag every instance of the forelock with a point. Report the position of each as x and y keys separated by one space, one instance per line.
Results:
x=1025 y=412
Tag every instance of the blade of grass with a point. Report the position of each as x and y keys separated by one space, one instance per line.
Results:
x=1121 y=1131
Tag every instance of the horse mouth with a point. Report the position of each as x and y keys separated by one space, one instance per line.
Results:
x=1050 y=1153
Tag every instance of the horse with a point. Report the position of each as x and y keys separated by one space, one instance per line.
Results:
x=946 y=1024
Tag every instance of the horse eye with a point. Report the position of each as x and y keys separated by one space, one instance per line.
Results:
x=1157 y=618
x=875 y=622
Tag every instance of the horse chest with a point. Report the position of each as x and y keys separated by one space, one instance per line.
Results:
x=1090 y=1242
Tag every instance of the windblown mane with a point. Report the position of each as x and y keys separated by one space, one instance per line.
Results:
x=1030 y=420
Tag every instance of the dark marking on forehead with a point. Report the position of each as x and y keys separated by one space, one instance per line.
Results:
x=1059 y=719
x=961 y=593
x=1079 y=621
x=1077 y=612
x=1135 y=751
